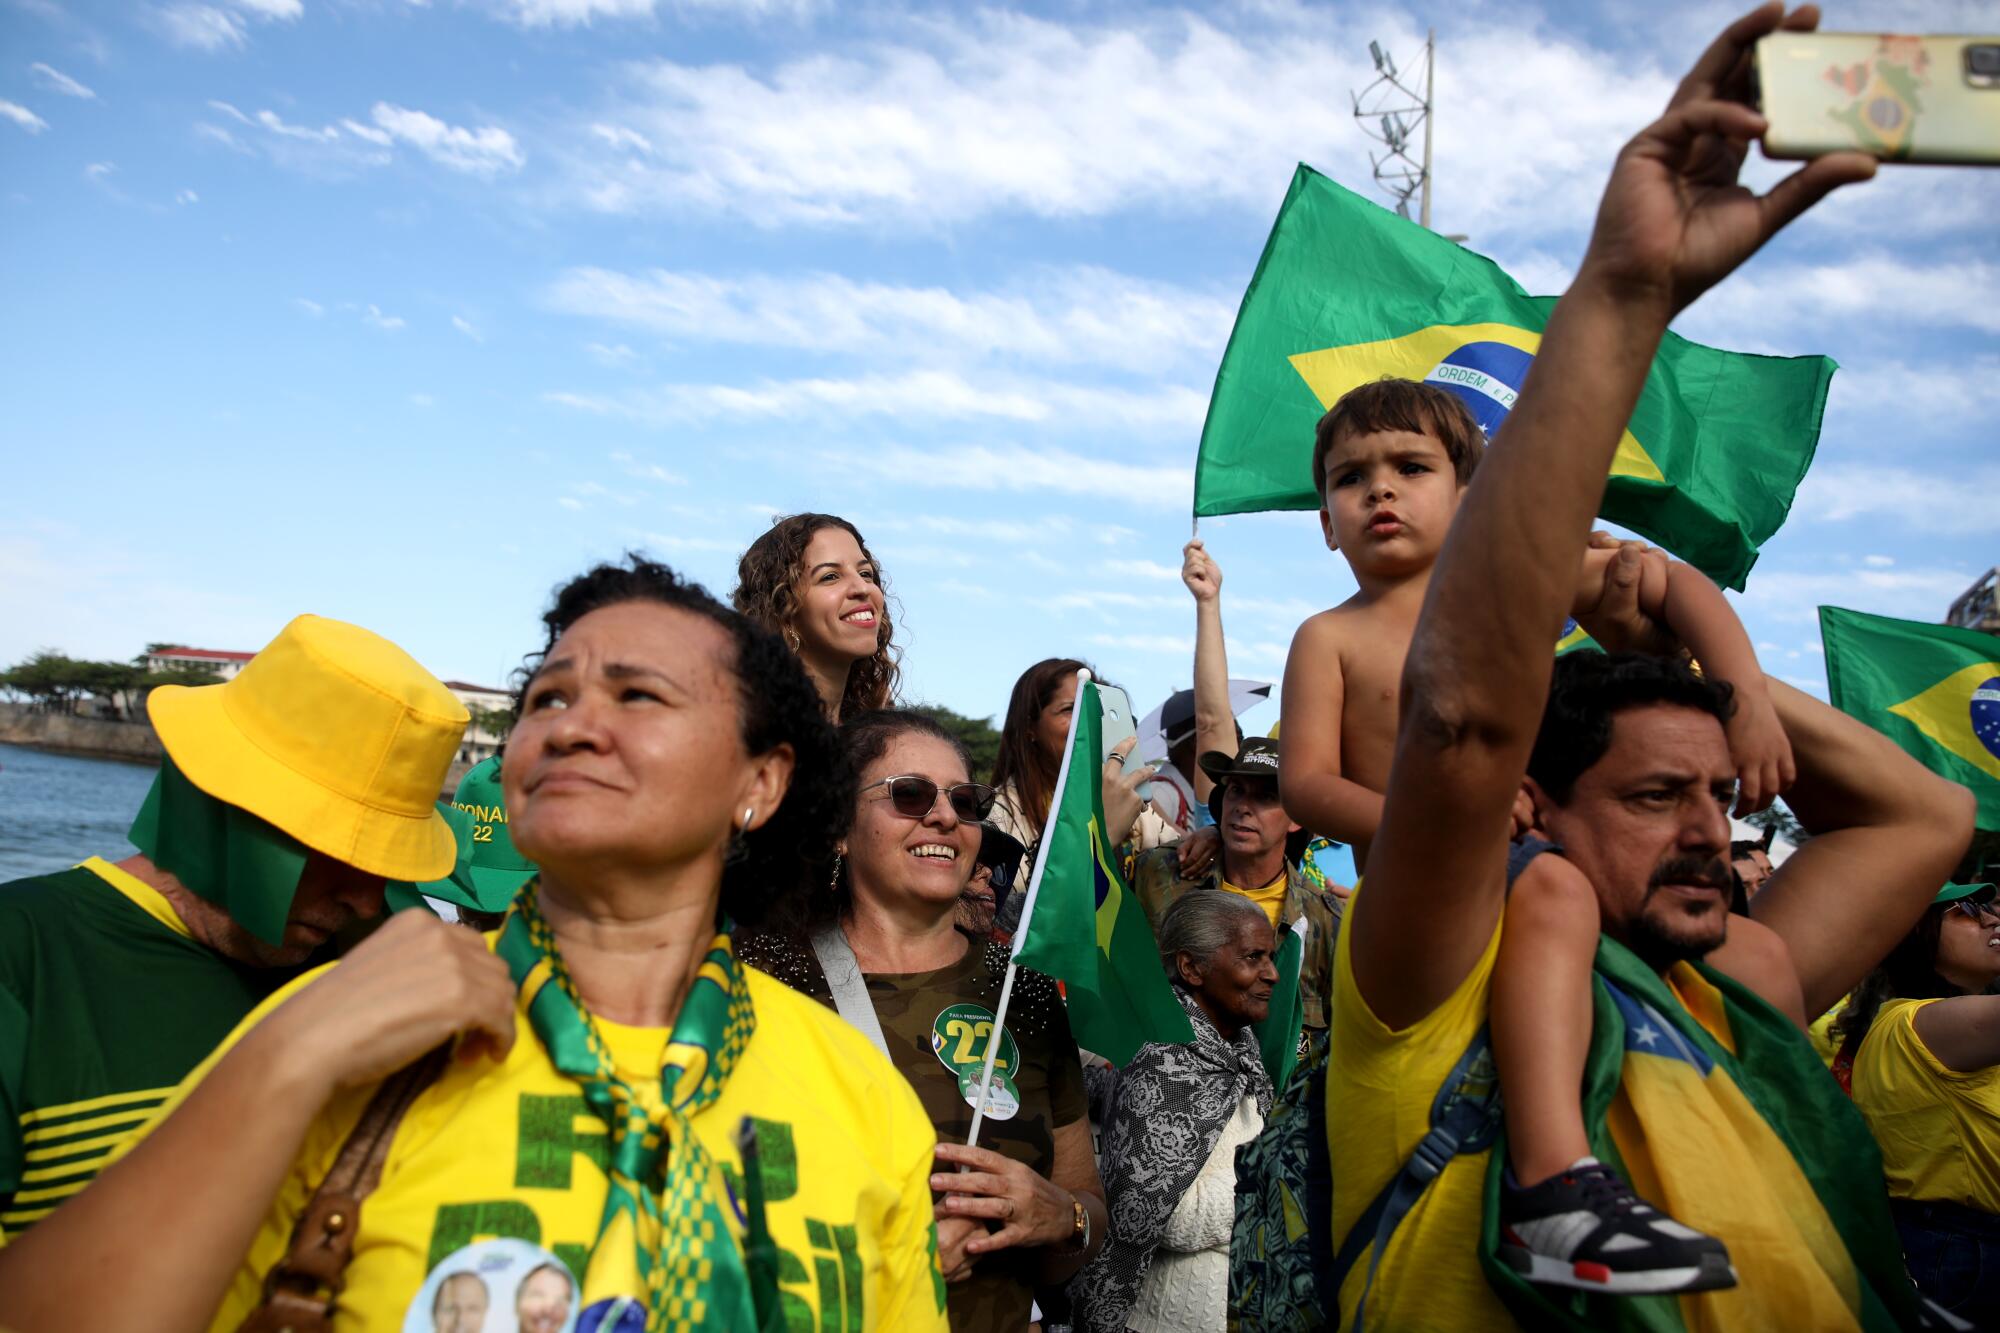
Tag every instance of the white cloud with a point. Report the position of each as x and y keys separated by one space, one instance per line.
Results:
x=617 y=356
x=23 y=117
x=645 y=471
x=211 y=27
x=582 y=13
x=620 y=137
x=1795 y=596
x=1873 y=291
x=1879 y=561
x=569 y=502
x=998 y=111
x=1144 y=569
x=921 y=395
x=374 y=317
x=271 y=121
x=186 y=197
x=986 y=468
x=486 y=151
x=57 y=81
x=422 y=400
x=1063 y=315
x=366 y=133
x=1957 y=503
x=222 y=136
x=464 y=326
x=100 y=171
x=313 y=308
x=202 y=27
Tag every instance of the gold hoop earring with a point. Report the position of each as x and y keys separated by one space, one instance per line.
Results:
x=792 y=636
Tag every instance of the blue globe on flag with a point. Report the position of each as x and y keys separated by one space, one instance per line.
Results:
x=1488 y=376
x=1986 y=715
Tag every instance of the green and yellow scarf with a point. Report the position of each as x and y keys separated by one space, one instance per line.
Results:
x=667 y=1217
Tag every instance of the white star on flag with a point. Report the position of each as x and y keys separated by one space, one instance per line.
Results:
x=1647 y=1034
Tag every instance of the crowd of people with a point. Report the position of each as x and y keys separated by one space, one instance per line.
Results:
x=684 y=1010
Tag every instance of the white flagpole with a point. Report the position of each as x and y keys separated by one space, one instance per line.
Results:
x=1027 y=914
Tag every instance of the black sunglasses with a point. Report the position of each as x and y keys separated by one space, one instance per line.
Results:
x=914 y=797
x=1978 y=905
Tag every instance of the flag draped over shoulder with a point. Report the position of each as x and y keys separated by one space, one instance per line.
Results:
x=1347 y=293
x=1746 y=1128
x=1081 y=924
x=1932 y=689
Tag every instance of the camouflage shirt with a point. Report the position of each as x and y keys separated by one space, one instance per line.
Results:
x=937 y=1026
x=1157 y=883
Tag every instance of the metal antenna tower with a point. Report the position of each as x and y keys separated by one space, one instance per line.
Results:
x=1391 y=111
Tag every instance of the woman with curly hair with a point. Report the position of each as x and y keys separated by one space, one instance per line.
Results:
x=685 y=1138
x=889 y=953
x=1920 y=1051
x=812 y=580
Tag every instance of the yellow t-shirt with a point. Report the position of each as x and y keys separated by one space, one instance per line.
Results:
x=1939 y=1129
x=1271 y=897
x=495 y=1174
x=1825 y=1042
x=1696 y=1148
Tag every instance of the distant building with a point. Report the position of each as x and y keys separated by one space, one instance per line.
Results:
x=220 y=661
x=480 y=743
x=1978 y=607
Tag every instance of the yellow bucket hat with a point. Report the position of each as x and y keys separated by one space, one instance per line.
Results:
x=334 y=735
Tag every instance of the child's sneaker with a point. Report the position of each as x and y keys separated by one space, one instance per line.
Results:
x=1586 y=1229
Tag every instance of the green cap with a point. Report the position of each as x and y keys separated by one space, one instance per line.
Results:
x=1952 y=893
x=489 y=871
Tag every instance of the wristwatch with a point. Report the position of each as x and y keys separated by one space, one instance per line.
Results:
x=1079 y=1237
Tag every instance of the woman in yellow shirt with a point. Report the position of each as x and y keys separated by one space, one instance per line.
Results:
x=1924 y=1036
x=638 y=1130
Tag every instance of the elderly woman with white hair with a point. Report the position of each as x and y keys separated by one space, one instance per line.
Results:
x=1178 y=1115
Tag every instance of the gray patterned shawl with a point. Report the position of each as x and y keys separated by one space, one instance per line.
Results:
x=1169 y=1109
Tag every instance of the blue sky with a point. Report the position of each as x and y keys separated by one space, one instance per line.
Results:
x=404 y=312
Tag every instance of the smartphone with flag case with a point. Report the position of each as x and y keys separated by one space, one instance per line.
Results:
x=1904 y=99
x=1119 y=726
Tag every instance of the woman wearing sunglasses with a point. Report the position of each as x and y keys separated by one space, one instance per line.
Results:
x=1026 y=1210
x=1922 y=1033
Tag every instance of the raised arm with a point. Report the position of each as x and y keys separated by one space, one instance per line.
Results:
x=1694 y=613
x=1214 y=722
x=1886 y=832
x=1673 y=222
x=1316 y=794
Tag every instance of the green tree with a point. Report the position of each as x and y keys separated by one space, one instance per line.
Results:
x=495 y=722
x=976 y=734
x=1779 y=817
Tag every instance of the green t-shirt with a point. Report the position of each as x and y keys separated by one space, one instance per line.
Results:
x=106 y=1002
x=937 y=1025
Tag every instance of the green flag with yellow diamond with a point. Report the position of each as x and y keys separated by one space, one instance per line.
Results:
x=1347 y=292
x=1933 y=689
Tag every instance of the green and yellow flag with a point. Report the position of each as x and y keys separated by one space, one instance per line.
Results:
x=1932 y=689
x=1081 y=924
x=1347 y=292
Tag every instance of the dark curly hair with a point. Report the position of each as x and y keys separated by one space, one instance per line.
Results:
x=1406 y=405
x=769 y=875
x=866 y=738
x=767 y=580
x=1588 y=690
x=1908 y=973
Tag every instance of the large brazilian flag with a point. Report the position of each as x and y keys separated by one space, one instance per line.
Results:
x=1081 y=924
x=1347 y=292
x=1932 y=689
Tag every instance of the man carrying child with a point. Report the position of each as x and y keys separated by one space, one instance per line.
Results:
x=1629 y=777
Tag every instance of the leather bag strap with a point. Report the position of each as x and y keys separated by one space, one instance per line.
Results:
x=300 y=1289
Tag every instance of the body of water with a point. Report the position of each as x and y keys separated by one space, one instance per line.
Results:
x=57 y=809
